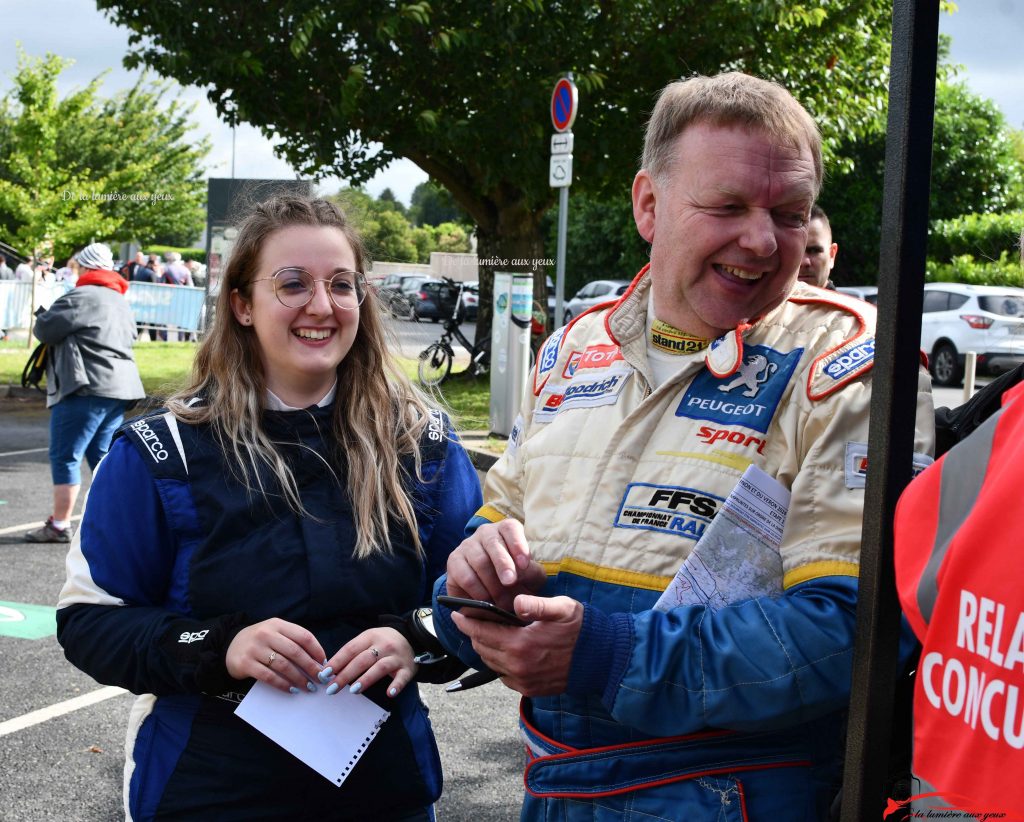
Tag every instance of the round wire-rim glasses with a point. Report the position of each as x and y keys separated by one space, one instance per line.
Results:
x=294 y=287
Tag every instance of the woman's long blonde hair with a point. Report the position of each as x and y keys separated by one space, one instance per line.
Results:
x=378 y=415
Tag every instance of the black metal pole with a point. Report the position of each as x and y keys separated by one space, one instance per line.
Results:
x=908 y=151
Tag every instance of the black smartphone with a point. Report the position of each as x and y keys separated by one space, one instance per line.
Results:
x=488 y=607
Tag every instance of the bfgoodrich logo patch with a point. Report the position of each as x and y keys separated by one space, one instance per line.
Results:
x=604 y=390
x=749 y=397
x=673 y=509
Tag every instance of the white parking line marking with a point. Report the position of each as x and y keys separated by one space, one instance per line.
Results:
x=19 y=453
x=19 y=723
x=13 y=529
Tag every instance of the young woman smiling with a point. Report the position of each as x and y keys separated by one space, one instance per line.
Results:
x=299 y=490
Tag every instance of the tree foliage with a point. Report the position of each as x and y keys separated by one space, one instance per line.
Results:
x=83 y=167
x=431 y=204
x=975 y=169
x=462 y=88
x=388 y=234
x=601 y=241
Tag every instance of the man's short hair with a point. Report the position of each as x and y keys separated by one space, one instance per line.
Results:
x=818 y=213
x=728 y=99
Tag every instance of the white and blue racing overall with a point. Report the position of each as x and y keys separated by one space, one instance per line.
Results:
x=692 y=714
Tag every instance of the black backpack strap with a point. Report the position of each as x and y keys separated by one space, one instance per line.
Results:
x=954 y=424
x=157 y=438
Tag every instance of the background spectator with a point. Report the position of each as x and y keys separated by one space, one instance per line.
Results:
x=90 y=379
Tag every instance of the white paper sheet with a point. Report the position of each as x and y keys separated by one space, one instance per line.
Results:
x=328 y=733
x=737 y=558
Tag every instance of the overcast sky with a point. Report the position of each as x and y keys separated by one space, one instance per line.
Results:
x=988 y=39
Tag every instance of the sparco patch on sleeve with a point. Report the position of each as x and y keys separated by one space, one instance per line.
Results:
x=839 y=366
x=747 y=397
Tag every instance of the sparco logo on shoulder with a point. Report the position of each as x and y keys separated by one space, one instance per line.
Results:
x=151 y=440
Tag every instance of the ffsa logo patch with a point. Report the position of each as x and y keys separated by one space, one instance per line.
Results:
x=748 y=397
x=684 y=512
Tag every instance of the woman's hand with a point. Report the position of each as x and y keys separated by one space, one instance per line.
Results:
x=372 y=655
x=280 y=653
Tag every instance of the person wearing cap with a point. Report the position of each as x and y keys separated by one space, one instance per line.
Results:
x=91 y=378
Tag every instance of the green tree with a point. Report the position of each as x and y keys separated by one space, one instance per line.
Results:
x=431 y=204
x=86 y=168
x=451 y=238
x=463 y=88
x=387 y=199
x=974 y=170
x=601 y=241
x=387 y=233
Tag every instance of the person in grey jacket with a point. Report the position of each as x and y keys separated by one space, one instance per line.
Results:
x=91 y=378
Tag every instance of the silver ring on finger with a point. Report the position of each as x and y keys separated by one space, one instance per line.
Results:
x=375 y=652
x=271 y=658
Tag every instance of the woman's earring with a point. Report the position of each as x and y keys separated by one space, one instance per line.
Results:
x=247 y=320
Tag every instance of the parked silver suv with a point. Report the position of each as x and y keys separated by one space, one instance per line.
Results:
x=958 y=318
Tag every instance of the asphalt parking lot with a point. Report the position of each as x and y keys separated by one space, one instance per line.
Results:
x=62 y=734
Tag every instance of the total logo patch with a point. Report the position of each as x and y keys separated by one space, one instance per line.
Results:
x=582 y=394
x=857 y=464
x=851 y=360
x=747 y=397
x=595 y=356
x=684 y=512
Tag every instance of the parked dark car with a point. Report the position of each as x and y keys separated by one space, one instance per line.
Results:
x=394 y=289
x=424 y=300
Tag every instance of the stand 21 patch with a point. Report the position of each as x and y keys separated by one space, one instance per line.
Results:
x=747 y=397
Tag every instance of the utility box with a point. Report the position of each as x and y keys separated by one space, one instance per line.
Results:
x=510 y=348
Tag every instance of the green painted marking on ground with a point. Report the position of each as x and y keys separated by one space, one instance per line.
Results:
x=19 y=619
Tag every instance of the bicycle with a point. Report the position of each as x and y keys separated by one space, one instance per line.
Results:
x=435 y=362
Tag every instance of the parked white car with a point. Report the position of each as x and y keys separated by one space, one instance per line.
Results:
x=868 y=293
x=598 y=291
x=958 y=318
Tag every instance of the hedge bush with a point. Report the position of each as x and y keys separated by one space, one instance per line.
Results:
x=197 y=254
x=980 y=236
x=1005 y=270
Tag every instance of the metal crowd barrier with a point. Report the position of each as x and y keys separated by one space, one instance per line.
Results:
x=154 y=305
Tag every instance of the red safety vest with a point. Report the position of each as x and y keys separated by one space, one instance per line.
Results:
x=959 y=528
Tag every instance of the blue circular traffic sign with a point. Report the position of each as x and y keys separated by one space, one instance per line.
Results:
x=564 y=102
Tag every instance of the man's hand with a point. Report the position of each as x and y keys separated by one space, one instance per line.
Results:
x=534 y=660
x=494 y=564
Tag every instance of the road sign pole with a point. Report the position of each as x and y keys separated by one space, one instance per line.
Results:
x=563 y=229
x=564 y=106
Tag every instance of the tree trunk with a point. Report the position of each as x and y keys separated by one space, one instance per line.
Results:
x=514 y=245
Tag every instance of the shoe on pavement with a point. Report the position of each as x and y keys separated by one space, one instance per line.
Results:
x=48 y=533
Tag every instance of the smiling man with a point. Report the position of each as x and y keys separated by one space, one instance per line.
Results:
x=644 y=414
